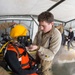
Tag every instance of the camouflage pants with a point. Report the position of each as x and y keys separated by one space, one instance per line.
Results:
x=46 y=67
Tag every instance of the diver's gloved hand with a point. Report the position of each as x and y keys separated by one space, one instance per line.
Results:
x=35 y=68
x=38 y=70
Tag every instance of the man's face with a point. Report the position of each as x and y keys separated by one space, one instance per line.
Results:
x=45 y=27
x=70 y=30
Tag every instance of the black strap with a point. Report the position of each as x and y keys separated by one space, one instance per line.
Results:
x=25 y=64
x=49 y=42
x=31 y=59
x=24 y=53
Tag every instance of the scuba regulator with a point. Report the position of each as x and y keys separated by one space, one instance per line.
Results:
x=24 y=40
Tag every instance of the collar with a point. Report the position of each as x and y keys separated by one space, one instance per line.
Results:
x=49 y=33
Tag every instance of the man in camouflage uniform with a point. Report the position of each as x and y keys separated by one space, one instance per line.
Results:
x=47 y=42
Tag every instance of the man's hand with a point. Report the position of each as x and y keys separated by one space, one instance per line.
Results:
x=68 y=39
x=32 y=47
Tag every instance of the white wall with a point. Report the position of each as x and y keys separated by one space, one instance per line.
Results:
x=35 y=30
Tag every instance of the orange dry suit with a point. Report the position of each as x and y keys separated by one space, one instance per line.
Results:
x=24 y=63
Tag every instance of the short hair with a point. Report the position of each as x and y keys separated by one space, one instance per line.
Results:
x=46 y=16
x=70 y=28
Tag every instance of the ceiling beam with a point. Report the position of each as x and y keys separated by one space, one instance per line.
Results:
x=59 y=21
x=55 y=5
x=70 y=20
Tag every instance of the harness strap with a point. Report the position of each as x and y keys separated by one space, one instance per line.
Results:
x=16 y=49
x=31 y=59
x=24 y=53
x=25 y=64
x=49 y=44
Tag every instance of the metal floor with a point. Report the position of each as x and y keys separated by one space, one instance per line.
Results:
x=64 y=62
